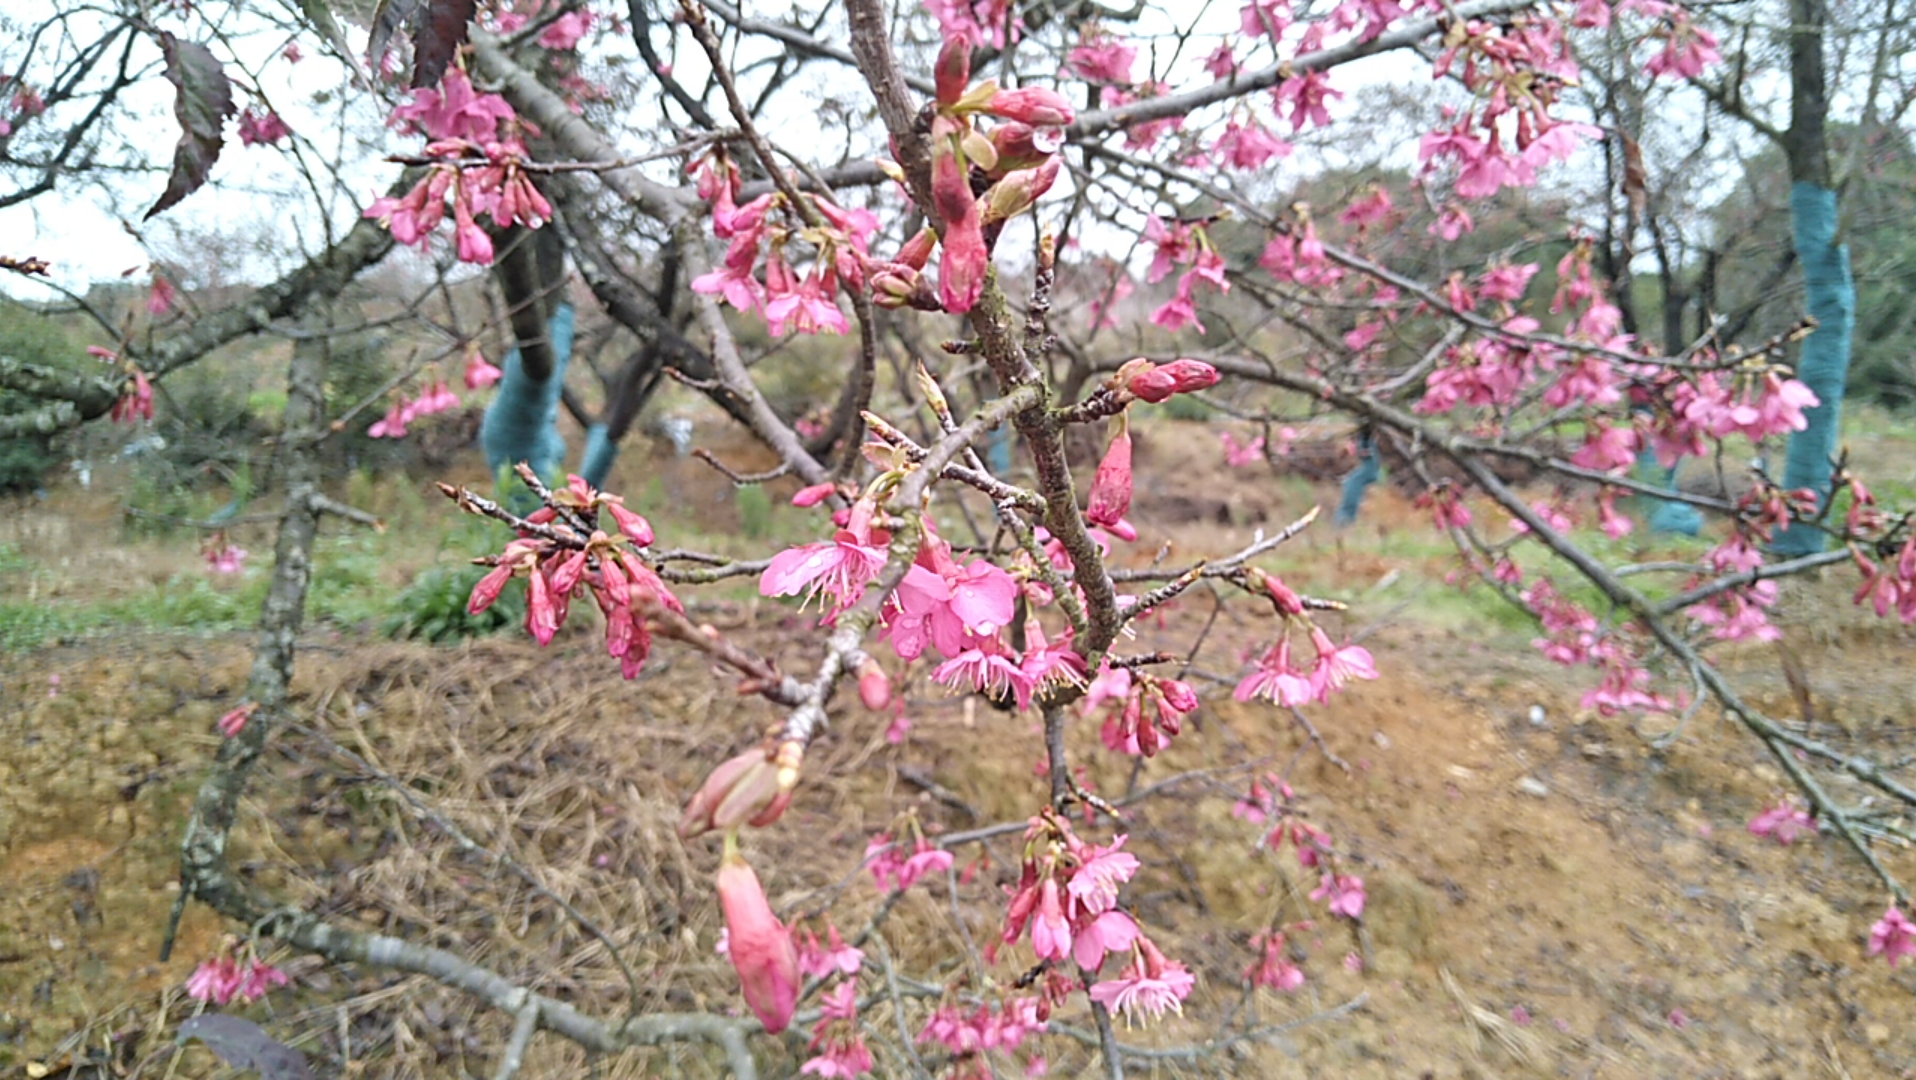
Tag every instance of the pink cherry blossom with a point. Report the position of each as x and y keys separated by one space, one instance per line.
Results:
x=1342 y=893
x=1893 y=937
x=1783 y=822
x=1111 y=932
x=819 y=961
x=226 y=559
x=1274 y=968
x=1337 y=666
x=1151 y=986
x=565 y=32
x=479 y=372
x=1094 y=885
x=1050 y=929
x=1276 y=679
x=839 y=568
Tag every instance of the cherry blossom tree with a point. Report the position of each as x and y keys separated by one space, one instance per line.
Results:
x=1022 y=219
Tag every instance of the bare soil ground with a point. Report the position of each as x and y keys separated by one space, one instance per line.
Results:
x=1565 y=870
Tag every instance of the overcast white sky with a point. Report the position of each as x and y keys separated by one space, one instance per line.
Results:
x=91 y=232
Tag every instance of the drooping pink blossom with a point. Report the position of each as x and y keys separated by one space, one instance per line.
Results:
x=1783 y=822
x=1342 y=893
x=1151 y=986
x=480 y=373
x=219 y=981
x=454 y=111
x=1337 y=666
x=1050 y=928
x=1098 y=57
x=161 y=298
x=839 y=568
x=1274 y=967
x=1093 y=887
x=226 y=559
x=819 y=960
x=1111 y=932
x=1277 y=679
x=1893 y=937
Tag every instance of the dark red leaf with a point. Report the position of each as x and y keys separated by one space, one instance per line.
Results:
x=436 y=36
x=203 y=101
x=245 y=1045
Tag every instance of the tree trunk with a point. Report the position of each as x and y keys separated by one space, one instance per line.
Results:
x=1830 y=293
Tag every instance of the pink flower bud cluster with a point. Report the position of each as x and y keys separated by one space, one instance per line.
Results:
x=895 y=871
x=436 y=398
x=968 y=1035
x=1892 y=588
x=463 y=124
x=608 y=567
x=1143 y=712
x=790 y=303
x=262 y=127
x=220 y=980
x=1017 y=158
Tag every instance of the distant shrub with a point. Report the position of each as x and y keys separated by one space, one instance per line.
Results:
x=433 y=607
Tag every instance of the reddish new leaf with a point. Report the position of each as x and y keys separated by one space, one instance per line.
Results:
x=436 y=35
x=203 y=101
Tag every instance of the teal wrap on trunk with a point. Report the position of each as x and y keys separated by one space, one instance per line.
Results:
x=1824 y=363
x=522 y=424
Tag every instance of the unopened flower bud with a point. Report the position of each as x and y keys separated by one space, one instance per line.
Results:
x=1176 y=377
x=760 y=946
x=929 y=389
x=488 y=589
x=542 y=612
x=1110 y=496
x=917 y=251
x=565 y=576
x=896 y=286
x=1021 y=146
x=1178 y=695
x=953 y=71
x=1032 y=105
x=874 y=686
x=631 y=524
x=811 y=496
